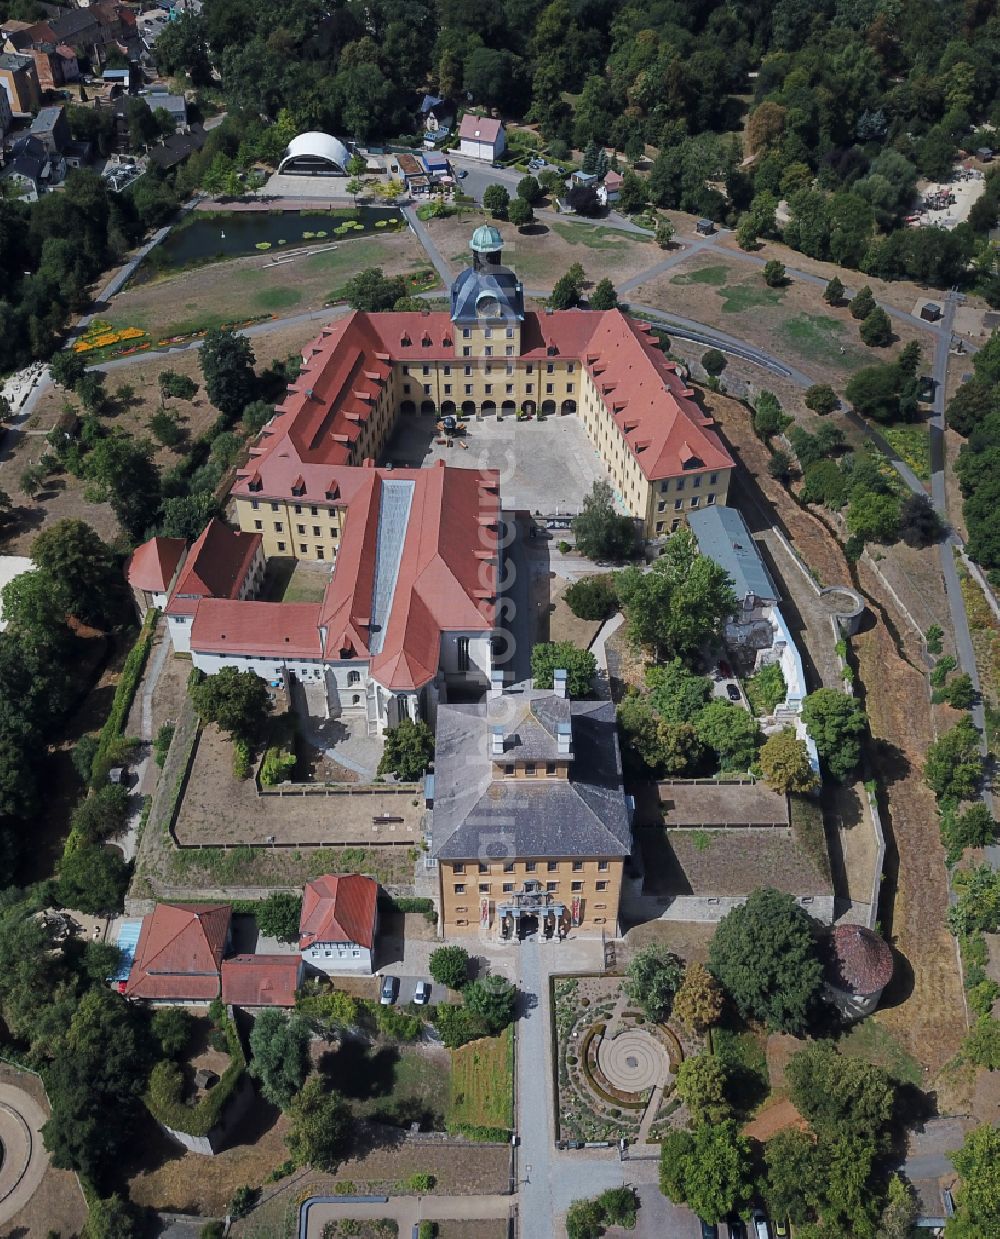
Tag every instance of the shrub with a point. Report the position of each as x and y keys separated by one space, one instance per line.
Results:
x=397 y=1024
x=449 y=966
x=164 y=1097
x=420 y=1182
x=243 y=1201
x=821 y=398
x=161 y=745
x=242 y=759
x=774 y=273
x=128 y=682
x=277 y=766
x=592 y=598
x=278 y=916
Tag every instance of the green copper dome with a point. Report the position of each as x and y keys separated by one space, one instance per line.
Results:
x=486 y=239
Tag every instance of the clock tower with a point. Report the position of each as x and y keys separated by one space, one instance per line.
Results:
x=487 y=302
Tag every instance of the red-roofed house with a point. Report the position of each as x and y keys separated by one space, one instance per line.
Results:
x=339 y=923
x=179 y=953
x=481 y=137
x=610 y=190
x=223 y=563
x=261 y=980
x=152 y=570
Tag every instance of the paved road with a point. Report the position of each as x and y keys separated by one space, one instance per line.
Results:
x=441 y=264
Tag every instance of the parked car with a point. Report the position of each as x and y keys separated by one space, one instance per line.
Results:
x=462 y=173
x=733 y=692
x=781 y=1229
x=422 y=994
x=388 y=990
x=761 y=1226
x=709 y=1230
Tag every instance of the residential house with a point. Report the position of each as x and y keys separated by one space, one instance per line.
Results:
x=610 y=189
x=24 y=176
x=174 y=105
x=338 y=928
x=437 y=115
x=481 y=137
x=51 y=128
x=255 y=981
x=152 y=571
x=530 y=825
x=178 y=147
x=19 y=81
x=178 y=957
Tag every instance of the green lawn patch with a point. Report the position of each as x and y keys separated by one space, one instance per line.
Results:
x=703 y=275
x=482 y=1086
x=737 y=298
x=594 y=237
x=911 y=443
x=395 y=1084
x=276 y=298
x=872 y=1042
x=819 y=338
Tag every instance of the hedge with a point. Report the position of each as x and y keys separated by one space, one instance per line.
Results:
x=128 y=683
x=164 y=1102
x=484 y=1135
x=407 y=903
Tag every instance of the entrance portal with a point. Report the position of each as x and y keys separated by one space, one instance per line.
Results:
x=527 y=926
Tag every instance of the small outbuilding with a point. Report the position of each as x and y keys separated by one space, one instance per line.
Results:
x=253 y=981
x=860 y=966
x=315 y=154
x=985 y=154
x=930 y=312
x=704 y=227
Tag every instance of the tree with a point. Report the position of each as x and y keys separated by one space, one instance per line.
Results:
x=179 y=386
x=676 y=693
x=713 y=362
x=774 y=273
x=92 y=880
x=746 y=232
x=409 y=749
x=492 y=1000
x=632 y=196
x=652 y=979
x=90 y=389
x=520 y=213
x=278 y=916
x=862 y=303
x=110 y=1218
x=529 y=189
x=280 y=1047
x=588 y=1219
x=878 y=392
x=698 y=1002
x=120 y=471
x=838 y=1093
x=236 y=701
x=172 y=1027
x=449 y=966
x=67 y=369
x=953 y=767
x=764 y=955
x=876 y=329
x=833 y=294
x=372 y=291
x=768 y=418
x=836 y=723
x=680 y=603
x=919 y=523
x=701 y=1085
x=796 y=1177
x=822 y=399
x=978 y=1198
x=784 y=761
x=580 y=666
x=35 y=608
x=592 y=597
x=496 y=200
x=708 y=1169
x=664 y=234
x=604 y=296
x=320 y=1126
x=731 y=732
x=974 y=401
x=256 y=416
x=166 y=428
x=601 y=531
x=974 y=828
x=227 y=362
x=568 y=289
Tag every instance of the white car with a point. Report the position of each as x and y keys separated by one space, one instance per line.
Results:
x=422 y=994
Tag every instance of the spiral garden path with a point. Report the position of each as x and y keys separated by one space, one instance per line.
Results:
x=634 y=1061
x=24 y=1156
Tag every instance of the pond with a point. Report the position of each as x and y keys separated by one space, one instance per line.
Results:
x=205 y=237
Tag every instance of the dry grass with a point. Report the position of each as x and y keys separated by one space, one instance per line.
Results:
x=482 y=1085
x=563 y=624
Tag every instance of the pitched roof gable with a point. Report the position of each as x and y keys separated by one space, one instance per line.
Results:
x=339 y=908
x=179 y=952
x=216 y=567
x=152 y=566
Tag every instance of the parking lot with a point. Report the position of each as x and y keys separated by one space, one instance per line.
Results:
x=546 y=466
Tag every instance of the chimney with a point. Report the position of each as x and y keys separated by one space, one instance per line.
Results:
x=496 y=734
x=559 y=683
x=563 y=737
x=496 y=682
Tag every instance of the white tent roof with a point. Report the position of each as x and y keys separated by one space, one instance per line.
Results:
x=316 y=145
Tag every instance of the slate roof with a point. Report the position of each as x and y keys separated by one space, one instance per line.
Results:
x=531 y=731
x=179 y=952
x=492 y=281
x=723 y=536
x=477 y=815
x=339 y=908
x=152 y=565
x=260 y=980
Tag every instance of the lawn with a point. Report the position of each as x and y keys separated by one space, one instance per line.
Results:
x=593 y=236
x=817 y=337
x=482 y=1083
x=910 y=442
x=738 y=298
x=872 y=1042
x=291 y=580
x=713 y=275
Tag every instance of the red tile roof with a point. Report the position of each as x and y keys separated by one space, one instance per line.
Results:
x=216 y=567
x=179 y=952
x=479 y=128
x=269 y=629
x=338 y=908
x=152 y=565
x=861 y=962
x=260 y=980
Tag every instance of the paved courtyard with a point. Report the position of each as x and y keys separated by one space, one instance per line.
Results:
x=545 y=466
